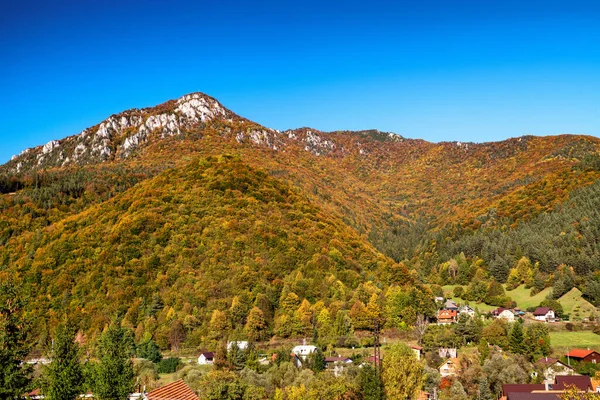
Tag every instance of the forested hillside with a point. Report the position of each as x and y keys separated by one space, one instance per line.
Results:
x=188 y=213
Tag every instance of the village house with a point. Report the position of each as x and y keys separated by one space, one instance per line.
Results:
x=242 y=345
x=337 y=364
x=304 y=350
x=504 y=313
x=177 y=390
x=466 y=310
x=416 y=350
x=545 y=314
x=208 y=357
x=450 y=305
x=547 y=390
x=553 y=367
x=446 y=317
x=581 y=355
x=450 y=367
x=447 y=352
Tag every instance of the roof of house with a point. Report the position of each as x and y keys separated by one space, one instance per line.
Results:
x=447 y=314
x=336 y=359
x=540 y=311
x=521 y=388
x=582 y=382
x=177 y=390
x=208 y=354
x=415 y=347
x=532 y=396
x=548 y=361
x=450 y=304
x=580 y=353
x=451 y=361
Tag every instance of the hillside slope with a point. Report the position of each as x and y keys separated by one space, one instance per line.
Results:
x=195 y=237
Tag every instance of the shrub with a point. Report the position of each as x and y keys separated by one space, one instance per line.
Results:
x=168 y=365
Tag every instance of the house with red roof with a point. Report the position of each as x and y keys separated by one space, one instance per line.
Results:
x=582 y=355
x=446 y=317
x=177 y=390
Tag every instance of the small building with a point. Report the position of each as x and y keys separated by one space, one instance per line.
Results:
x=337 y=364
x=208 y=357
x=584 y=355
x=450 y=305
x=450 y=367
x=242 y=345
x=177 y=390
x=416 y=350
x=545 y=314
x=553 y=367
x=505 y=314
x=446 y=316
x=447 y=352
x=304 y=350
x=466 y=310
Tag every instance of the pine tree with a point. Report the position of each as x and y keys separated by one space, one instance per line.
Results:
x=64 y=377
x=113 y=375
x=150 y=351
x=485 y=392
x=516 y=344
x=370 y=383
x=318 y=361
x=15 y=376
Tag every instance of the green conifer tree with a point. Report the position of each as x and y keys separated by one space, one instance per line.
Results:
x=15 y=376
x=318 y=361
x=64 y=376
x=516 y=344
x=113 y=375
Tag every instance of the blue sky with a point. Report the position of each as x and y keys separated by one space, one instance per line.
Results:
x=438 y=70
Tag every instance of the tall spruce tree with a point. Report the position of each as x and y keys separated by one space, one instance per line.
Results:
x=516 y=343
x=370 y=383
x=113 y=375
x=15 y=375
x=319 y=363
x=64 y=377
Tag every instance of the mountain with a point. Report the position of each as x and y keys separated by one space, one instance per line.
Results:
x=174 y=211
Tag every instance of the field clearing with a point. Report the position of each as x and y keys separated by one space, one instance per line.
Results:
x=576 y=306
x=524 y=300
x=570 y=340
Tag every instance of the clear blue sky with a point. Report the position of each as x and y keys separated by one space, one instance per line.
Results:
x=440 y=70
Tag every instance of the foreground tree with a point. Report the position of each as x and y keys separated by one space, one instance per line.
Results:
x=15 y=376
x=370 y=383
x=402 y=373
x=113 y=375
x=64 y=377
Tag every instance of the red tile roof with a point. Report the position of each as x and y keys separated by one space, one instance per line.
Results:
x=177 y=390
x=447 y=314
x=580 y=353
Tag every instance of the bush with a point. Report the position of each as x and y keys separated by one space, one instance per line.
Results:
x=458 y=291
x=596 y=329
x=168 y=365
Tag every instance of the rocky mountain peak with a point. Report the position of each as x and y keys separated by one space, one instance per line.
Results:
x=121 y=134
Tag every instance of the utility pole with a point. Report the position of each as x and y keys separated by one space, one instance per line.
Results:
x=377 y=345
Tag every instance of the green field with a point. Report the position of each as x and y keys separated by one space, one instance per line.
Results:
x=570 y=340
x=524 y=300
x=576 y=306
